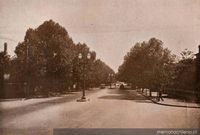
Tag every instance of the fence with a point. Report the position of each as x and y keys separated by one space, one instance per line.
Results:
x=13 y=90
x=41 y=89
x=192 y=95
x=184 y=94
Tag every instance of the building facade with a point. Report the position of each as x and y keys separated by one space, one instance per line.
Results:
x=198 y=72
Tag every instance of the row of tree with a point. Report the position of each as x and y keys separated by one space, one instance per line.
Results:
x=150 y=65
x=48 y=60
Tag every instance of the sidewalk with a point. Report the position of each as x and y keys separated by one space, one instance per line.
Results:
x=170 y=101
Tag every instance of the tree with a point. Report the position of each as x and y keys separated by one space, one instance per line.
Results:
x=147 y=65
x=184 y=72
x=48 y=61
x=46 y=52
x=82 y=67
x=101 y=73
x=187 y=55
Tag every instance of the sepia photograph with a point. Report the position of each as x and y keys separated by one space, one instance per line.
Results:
x=99 y=67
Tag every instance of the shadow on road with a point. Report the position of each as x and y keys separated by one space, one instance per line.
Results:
x=117 y=94
x=29 y=108
x=19 y=111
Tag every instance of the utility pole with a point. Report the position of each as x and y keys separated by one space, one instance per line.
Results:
x=5 y=48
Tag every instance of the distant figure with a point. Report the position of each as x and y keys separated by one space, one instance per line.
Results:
x=160 y=94
x=121 y=87
x=74 y=86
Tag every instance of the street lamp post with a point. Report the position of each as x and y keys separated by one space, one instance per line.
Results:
x=84 y=58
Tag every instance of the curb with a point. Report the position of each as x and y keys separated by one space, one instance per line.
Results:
x=171 y=105
x=12 y=99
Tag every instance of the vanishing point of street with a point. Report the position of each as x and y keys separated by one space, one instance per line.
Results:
x=106 y=108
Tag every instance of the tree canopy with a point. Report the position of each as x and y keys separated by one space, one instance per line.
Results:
x=146 y=64
x=48 y=55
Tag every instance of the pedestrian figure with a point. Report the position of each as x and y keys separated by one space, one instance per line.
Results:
x=121 y=86
x=160 y=93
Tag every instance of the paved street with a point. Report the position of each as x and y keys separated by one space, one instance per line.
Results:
x=107 y=108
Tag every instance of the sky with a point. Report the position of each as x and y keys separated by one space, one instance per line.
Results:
x=109 y=27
